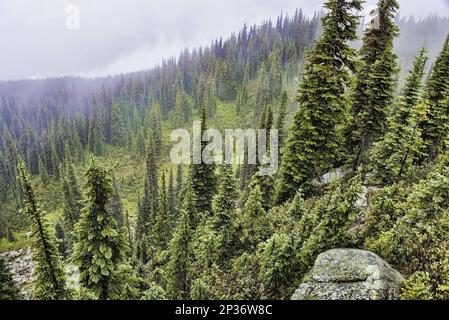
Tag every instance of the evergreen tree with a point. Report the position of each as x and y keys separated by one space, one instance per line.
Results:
x=254 y=220
x=223 y=207
x=436 y=127
x=330 y=224
x=280 y=122
x=161 y=229
x=128 y=230
x=49 y=277
x=276 y=272
x=375 y=86
x=8 y=289
x=402 y=146
x=149 y=205
x=117 y=124
x=71 y=210
x=179 y=182
x=172 y=197
x=315 y=142
x=180 y=252
x=203 y=177
x=101 y=246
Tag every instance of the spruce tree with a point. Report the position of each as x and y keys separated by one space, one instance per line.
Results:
x=161 y=229
x=180 y=252
x=203 y=177
x=276 y=267
x=280 y=122
x=172 y=197
x=149 y=205
x=254 y=220
x=315 y=143
x=49 y=276
x=70 y=211
x=400 y=148
x=8 y=289
x=436 y=127
x=223 y=206
x=375 y=85
x=101 y=246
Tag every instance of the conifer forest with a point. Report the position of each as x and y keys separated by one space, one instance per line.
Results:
x=93 y=207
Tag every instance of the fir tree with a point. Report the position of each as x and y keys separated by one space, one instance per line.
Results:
x=148 y=208
x=71 y=210
x=180 y=252
x=49 y=277
x=402 y=145
x=117 y=124
x=128 y=230
x=375 y=86
x=223 y=206
x=436 y=127
x=172 y=197
x=202 y=177
x=101 y=246
x=280 y=122
x=161 y=229
x=276 y=267
x=315 y=143
x=254 y=220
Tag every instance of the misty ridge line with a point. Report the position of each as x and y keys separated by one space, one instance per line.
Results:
x=74 y=23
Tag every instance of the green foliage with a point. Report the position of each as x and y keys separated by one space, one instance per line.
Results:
x=149 y=205
x=202 y=177
x=161 y=228
x=395 y=155
x=375 y=85
x=417 y=287
x=154 y=292
x=436 y=126
x=417 y=241
x=49 y=276
x=254 y=222
x=315 y=142
x=276 y=266
x=334 y=211
x=224 y=205
x=100 y=245
x=180 y=252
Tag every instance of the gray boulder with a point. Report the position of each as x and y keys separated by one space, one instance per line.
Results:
x=21 y=266
x=347 y=274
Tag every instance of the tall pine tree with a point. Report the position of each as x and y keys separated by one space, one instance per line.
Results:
x=375 y=85
x=101 y=246
x=315 y=143
x=49 y=276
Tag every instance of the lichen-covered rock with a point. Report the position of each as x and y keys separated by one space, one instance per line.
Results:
x=21 y=266
x=347 y=274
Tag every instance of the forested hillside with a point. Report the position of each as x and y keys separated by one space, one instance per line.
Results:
x=84 y=164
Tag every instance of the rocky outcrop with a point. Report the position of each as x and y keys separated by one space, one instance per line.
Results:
x=347 y=274
x=21 y=266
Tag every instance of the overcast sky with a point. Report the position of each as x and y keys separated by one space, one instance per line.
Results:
x=118 y=36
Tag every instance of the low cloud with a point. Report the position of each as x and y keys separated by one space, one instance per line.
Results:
x=117 y=36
